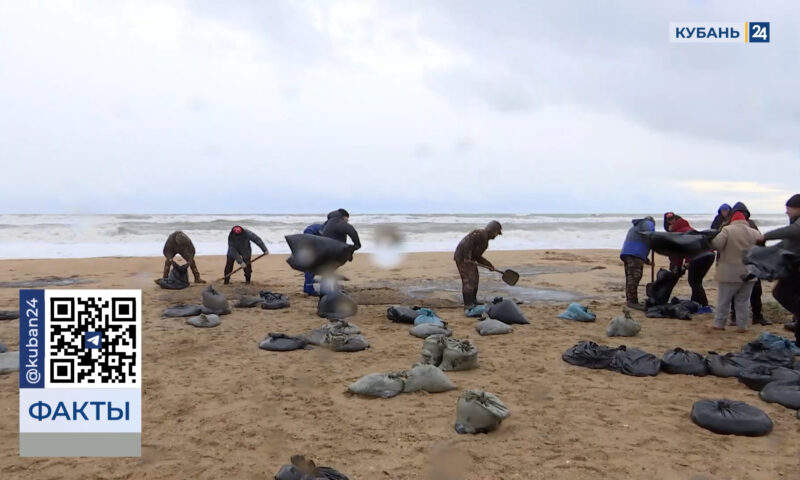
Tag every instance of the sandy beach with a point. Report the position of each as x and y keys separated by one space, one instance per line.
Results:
x=215 y=406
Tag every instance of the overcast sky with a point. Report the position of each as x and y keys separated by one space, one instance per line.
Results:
x=429 y=106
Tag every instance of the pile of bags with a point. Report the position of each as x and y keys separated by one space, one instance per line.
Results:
x=339 y=336
x=421 y=377
x=449 y=354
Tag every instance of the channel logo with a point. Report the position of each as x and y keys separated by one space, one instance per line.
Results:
x=706 y=32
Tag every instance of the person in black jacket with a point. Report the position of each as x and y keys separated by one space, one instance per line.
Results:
x=338 y=228
x=239 y=251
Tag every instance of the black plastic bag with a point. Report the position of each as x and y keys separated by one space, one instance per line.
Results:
x=303 y=469
x=280 y=342
x=635 y=362
x=506 y=311
x=684 y=362
x=399 y=314
x=316 y=254
x=336 y=306
x=589 y=354
x=178 y=278
x=668 y=311
x=9 y=314
x=687 y=244
x=690 y=305
x=728 y=365
x=658 y=292
x=758 y=376
x=786 y=393
x=762 y=353
x=183 y=311
x=770 y=263
x=730 y=417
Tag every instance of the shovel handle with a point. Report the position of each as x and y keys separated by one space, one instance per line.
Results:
x=239 y=268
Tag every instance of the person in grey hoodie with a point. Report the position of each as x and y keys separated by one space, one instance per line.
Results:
x=731 y=242
x=338 y=228
x=787 y=290
x=239 y=251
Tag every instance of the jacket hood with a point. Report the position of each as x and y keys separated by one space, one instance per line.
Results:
x=334 y=214
x=681 y=225
x=722 y=207
x=637 y=221
x=741 y=207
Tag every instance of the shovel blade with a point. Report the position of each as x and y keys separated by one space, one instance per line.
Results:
x=510 y=277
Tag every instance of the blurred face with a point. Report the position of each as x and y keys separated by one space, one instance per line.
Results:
x=725 y=213
x=793 y=212
x=346 y=219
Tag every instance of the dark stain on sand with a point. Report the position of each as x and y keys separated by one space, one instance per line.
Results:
x=46 y=282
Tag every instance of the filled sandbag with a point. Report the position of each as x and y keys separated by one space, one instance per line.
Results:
x=686 y=244
x=316 y=254
x=458 y=355
x=658 y=292
x=782 y=392
x=304 y=469
x=690 y=305
x=215 y=302
x=770 y=263
x=432 y=350
x=382 y=385
x=426 y=316
x=479 y=412
x=183 y=311
x=728 y=365
x=756 y=377
x=204 y=321
x=341 y=327
x=493 y=327
x=684 y=362
x=9 y=362
x=336 y=305
x=3 y=348
x=280 y=342
x=770 y=341
x=247 y=301
x=273 y=301
x=178 y=278
x=769 y=354
x=345 y=343
x=9 y=314
x=399 y=314
x=427 y=329
x=623 y=326
x=506 y=311
x=634 y=362
x=578 y=313
x=730 y=417
x=589 y=354
x=428 y=378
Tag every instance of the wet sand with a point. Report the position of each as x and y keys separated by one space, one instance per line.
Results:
x=215 y=406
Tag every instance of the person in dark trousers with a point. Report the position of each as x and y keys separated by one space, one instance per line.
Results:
x=787 y=290
x=239 y=251
x=634 y=256
x=697 y=266
x=338 y=228
x=178 y=243
x=308 y=282
x=469 y=254
x=755 y=297
x=723 y=216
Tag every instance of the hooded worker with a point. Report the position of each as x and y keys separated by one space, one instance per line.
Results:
x=635 y=251
x=468 y=255
x=338 y=228
x=723 y=216
x=239 y=251
x=697 y=266
x=178 y=243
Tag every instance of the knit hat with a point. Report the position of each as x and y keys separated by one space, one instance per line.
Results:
x=794 y=201
x=237 y=230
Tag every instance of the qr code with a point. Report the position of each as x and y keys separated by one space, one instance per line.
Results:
x=94 y=338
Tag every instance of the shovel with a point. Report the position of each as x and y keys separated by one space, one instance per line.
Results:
x=239 y=268
x=509 y=276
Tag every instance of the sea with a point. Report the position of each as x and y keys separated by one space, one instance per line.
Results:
x=85 y=236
